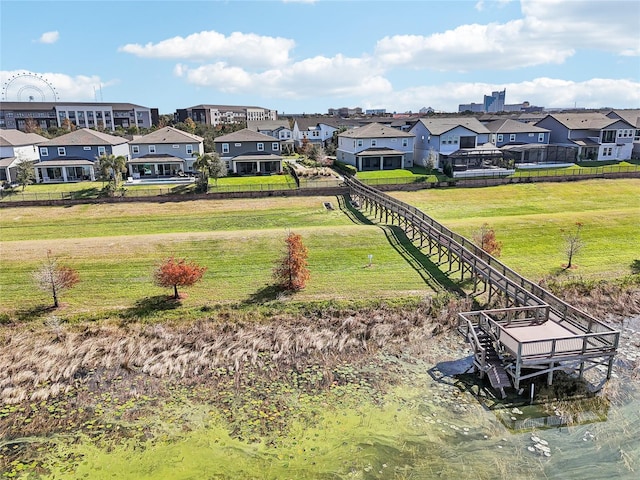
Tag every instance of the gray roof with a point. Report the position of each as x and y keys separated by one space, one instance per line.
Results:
x=16 y=138
x=245 y=135
x=156 y=158
x=512 y=126
x=64 y=162
x=84 y=137
x=375 y=130
x=438 y=126
x=168 y=135
x=7 y=161
x=583 y=121
x=37 y=106
x=256 y=157
x=268 y=125
x=224 y=108
x=630 y=116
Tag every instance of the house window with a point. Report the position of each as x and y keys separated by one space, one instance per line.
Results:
x=86 y=148
x=275 y=146
x=225 y=148
x=44 y=152
x=237 y=144
x=531 y=134
x=62 y=151
x=637 y=135
x=405 y=142
x=135 y=149
x=374 y=142
x=152 y=149
x=101 y=150
x=175 y=146
x=541 y=137
x=608 y=136
x=500 y=137
x=261 y=147
x=512 y=137
x=189 y=149
x=359 y=143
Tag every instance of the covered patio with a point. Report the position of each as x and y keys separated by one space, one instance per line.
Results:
x=253 y=164
x=155 y=166
x=64 y=170
x=379 y=159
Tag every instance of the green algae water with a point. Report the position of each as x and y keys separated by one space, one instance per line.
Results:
x=424 y=427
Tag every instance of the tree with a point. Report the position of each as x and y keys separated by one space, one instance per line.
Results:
x=174 y=272
x=55 y=278
x=202 y=164
x=31 y=126
x=111 y=167
x=291 y=272
x=68 y=125
x=573 y=243
x=218 y=168
x=25 y=173
x=190 y=125
x=485 y=238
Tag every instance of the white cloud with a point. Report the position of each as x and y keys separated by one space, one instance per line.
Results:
x=68 y=88
x=549 y=32
x=247 y=49
x=543 y=91
x=319 y=76
x=49 y=37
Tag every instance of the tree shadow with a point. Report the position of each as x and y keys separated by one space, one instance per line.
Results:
x=34 y=313
x=266 y=294
x=86 y=193
x=148 y=306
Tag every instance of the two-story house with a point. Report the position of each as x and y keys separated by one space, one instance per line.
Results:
x=597 y=136
x=462 y=142
x=249 y=153
x=163 y=153
x=375 y=147
x=71 y=157
x=278 y=129
x=315 y=130
x=511 y=132
x=632 y=117
x=17 y=147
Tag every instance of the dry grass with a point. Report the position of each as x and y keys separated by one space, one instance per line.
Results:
x=43 y=363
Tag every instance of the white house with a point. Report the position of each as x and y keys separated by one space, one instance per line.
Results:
x=375 y=147
x=17 y=147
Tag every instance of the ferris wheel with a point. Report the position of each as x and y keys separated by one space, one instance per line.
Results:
x=28 y=87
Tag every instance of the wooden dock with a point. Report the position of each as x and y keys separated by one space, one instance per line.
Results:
x=536 y=334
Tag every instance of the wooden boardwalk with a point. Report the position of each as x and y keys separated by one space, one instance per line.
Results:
x=536 y=334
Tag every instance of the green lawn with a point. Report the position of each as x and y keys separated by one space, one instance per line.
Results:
x=417 y=174
x=529 y=219
x=115 y=246
x=586 y=168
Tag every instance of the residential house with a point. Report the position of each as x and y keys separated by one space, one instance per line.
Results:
x=462 y=142
x=632 y=117
x=72 y=157
x=248 y=153
x=279 y=129
x=376 y=147
x=225 y=114
x=163 y=153
x=16 y=115
x=596 y=136
x=17 y=147
x=316 y=130
x=510 y=132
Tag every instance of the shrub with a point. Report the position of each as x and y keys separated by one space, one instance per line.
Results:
x=345 y=168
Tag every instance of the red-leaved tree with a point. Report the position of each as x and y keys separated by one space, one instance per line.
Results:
x=291 y=272
x=53 y=277
x=485 y=238
x=174 y=272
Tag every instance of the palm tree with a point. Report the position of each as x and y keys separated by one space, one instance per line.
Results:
x=202 y=164
x=111 y=167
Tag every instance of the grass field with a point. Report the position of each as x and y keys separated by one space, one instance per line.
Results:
x=115 y=246
x=529 y=218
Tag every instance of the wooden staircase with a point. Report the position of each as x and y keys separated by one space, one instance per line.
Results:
x=488 y=361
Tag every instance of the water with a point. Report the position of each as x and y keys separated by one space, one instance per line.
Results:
x=435 y=422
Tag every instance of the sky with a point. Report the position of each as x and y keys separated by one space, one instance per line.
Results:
x=306 y=56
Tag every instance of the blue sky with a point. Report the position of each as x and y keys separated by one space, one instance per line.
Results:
x=307 y=56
